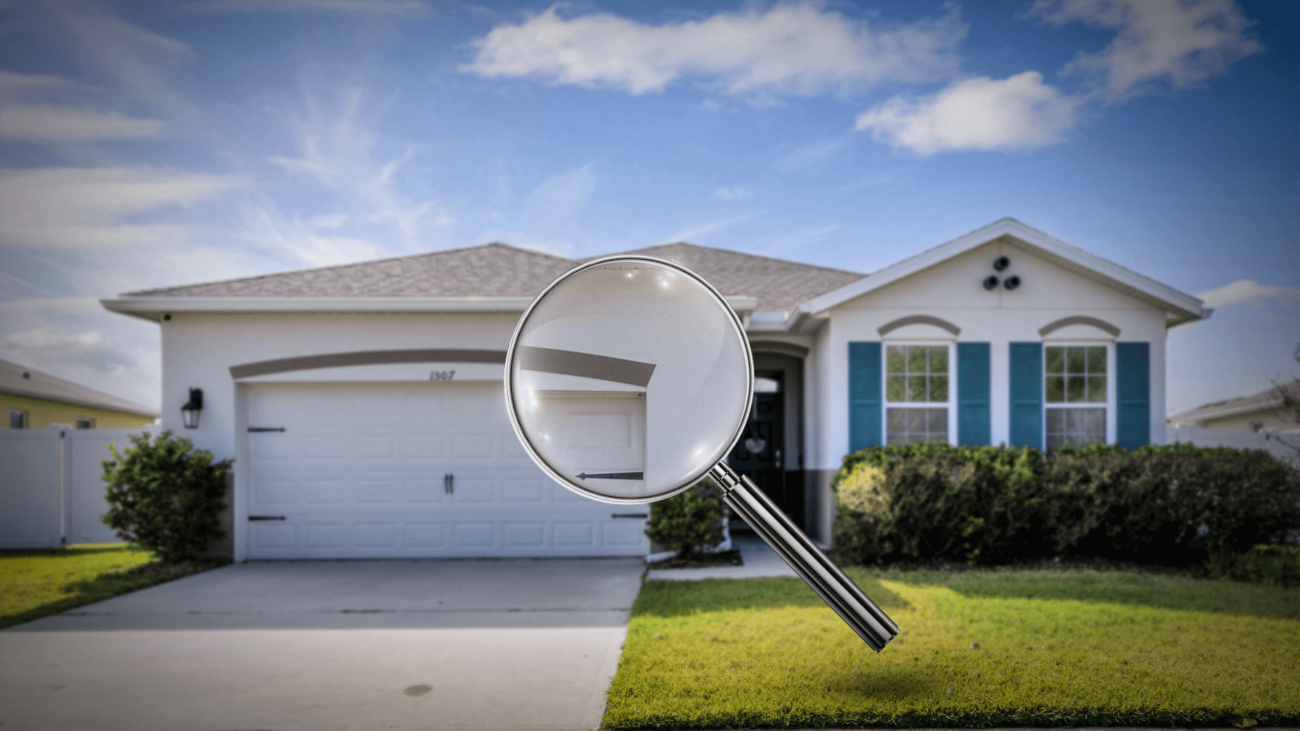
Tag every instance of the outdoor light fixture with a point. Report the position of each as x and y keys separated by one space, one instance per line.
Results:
x=1012 y=282
x=991 y=282
x=190 y=411
x=1001 y=263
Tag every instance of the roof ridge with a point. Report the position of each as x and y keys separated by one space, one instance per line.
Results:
x=745 y=253
x=368 y=262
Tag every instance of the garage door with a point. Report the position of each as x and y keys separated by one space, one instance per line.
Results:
x=411 y=471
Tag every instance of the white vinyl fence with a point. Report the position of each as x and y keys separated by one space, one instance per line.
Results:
x=1285 y=447
x=51 y=493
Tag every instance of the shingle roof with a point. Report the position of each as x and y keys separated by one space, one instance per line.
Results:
x=779 y=285
x=1269 y=399
x=498 y=270
x=492 y=270
x=44 y=386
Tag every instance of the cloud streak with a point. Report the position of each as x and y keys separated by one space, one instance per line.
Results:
x=794 y=48
x=23 y=118
x=1248 y=291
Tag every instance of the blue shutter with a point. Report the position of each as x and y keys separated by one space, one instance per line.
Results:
x=864 y=395
x=973 y=426
x=1133 y=391
x=1027 y=395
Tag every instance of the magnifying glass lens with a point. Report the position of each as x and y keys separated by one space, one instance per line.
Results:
x=623 y=380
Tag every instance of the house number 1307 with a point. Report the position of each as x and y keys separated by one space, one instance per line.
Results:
x=442 y=375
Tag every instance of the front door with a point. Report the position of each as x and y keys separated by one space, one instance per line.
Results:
x=760 y=453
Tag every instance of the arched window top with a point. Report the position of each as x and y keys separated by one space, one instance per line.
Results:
x=930 y=320
x=1102 y=325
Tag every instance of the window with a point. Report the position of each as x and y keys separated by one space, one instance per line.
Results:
x=917 y=375
x=17 y=419
x=1076 y=375
x=85 y=423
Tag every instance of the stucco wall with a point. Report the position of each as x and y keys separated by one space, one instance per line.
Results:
x=953 y=291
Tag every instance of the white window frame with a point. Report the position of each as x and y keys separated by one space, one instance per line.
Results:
x=951 y=404
x=1111 y=390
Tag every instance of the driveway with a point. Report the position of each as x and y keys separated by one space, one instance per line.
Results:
x=510 y=644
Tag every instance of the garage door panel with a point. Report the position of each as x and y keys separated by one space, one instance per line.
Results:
x=367 y=492
x=364 y=477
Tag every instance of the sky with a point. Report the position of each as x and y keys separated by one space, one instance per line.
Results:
x=155 y=143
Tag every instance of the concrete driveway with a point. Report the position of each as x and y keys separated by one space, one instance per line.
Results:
x=510 y=644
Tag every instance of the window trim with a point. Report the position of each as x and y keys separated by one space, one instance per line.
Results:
x=950 y=404
x=1111 y=403
x=24 y=414
x=90 y=422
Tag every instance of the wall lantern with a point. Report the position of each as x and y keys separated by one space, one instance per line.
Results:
x=1012 y=282
x=190 y=411
x=991 y=282
x=1001 y=263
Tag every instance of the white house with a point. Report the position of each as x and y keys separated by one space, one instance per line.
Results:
x=364 y=404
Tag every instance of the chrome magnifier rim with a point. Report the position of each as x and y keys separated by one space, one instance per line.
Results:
x=733 y=320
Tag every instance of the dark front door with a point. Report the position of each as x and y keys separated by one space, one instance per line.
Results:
x=761 y=451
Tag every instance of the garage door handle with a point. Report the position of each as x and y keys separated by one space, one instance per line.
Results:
x=449 y=484
x=630 y=515
x=255 y=429
x=266 y=517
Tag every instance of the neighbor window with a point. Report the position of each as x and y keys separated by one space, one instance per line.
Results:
x=1075 y=394
x=916 y=378
x=85 y=423
x=17 y=419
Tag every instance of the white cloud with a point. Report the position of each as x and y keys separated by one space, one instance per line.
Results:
x=81 y=208
x=733 y=193
x=304 y=239
x=360 y=7
x=798 y=48
x=45 y=345
x=1179 y=41
x=24 y=118
x=1018 y=113
x=1248 y=291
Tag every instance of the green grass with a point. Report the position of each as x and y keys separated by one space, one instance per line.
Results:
x=35 y=584
x=977 y=648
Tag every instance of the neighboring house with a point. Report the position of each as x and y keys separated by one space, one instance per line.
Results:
x=35 y=400
x=1253 y=413
x=365 y=409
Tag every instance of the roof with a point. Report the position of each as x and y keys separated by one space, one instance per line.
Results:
x=1178 y=306
x=20 y=381
x=492 y=277
x=492 y=270
x=1264 y=400
x=779 y=285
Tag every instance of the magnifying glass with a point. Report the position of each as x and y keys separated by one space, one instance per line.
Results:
x=629 y=379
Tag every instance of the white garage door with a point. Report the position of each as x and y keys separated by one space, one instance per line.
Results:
x=409 y=471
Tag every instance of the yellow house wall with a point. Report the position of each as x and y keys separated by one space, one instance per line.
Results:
x=41 y=414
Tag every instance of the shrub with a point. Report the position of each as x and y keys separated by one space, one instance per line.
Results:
x=166 y=496
x=1176 y=505
x=1274 y=565
x=689 y=522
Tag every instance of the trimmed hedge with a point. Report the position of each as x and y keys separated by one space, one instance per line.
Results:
x=689 y=523
x=1177 y=505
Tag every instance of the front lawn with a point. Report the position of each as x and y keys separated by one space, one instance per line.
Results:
x=35 y=584
x=977 y=648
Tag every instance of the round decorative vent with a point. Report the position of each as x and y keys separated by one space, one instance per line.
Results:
x=1012 y=282
x=1001 y=263
x=991 y=282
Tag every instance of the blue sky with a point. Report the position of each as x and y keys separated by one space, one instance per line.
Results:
x=147 y=144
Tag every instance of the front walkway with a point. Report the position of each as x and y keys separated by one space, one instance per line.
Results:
x=511 y=644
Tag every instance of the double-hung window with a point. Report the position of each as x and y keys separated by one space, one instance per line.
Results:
x=918 y=393
x=1075 y=392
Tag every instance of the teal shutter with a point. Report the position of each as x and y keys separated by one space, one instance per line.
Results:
x=973 y=420
x=1133 y=391
x=864 y=395
x=1027 y=395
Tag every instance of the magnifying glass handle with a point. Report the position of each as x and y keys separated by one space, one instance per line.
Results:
x=837 y=590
